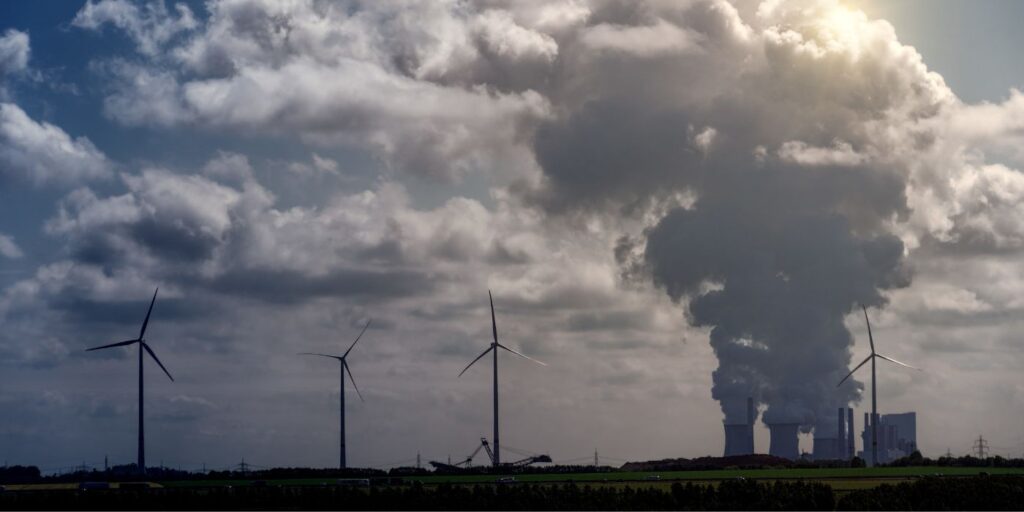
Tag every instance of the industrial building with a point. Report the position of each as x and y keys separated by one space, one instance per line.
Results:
x=897 y=437
x=838 y=445
x=739 y=438
x=785 y=440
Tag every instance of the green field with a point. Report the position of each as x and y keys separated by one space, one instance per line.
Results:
x=841 y=479
x=760 y=474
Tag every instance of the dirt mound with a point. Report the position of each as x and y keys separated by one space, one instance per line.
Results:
x=754 y=461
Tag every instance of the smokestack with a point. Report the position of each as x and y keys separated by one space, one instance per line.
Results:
x=851 y=446
x=751 y=414
x=841 y=434
x=785 y=442
x=891 y=442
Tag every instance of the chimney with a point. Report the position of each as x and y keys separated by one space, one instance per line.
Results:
x=841 y=434
x=785 y=442
x=750 y=425
x=850 y=439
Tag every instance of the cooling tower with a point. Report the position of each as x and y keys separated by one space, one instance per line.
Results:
x=739 y=438
x=784 y=440
x=825 y=448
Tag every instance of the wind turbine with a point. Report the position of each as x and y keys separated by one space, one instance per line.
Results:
x=143 y=346
x=874 y=386
x=344 y=368
x=494 y=347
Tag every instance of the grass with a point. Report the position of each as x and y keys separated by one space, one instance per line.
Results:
x=841 y=479
x=725 y=474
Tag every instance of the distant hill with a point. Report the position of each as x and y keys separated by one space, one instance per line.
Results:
x=754 y=461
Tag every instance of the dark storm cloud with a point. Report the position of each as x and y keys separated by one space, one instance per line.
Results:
x=292 y=287
x=614 y=149
x=586 y=321
x=88 y=313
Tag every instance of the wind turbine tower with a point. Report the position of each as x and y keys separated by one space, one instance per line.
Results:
x=494 y=347
x=143 y=346
x=874 y=386
x=343 y=364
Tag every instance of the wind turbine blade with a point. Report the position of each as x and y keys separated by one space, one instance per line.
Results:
x=345 y=368
x=891 y=360
x=522 y=355
x=871 y=339
x=494 y=323
x=490 y=348
x=142 y=333
x=357 y=338
x=862 y=363
x=118 y=344
x=151 y=354
x=321 y=355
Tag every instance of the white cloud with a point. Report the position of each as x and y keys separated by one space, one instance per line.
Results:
x=14 y=52
x=8 y=248
x=42 y=153
x=149 y=24
x=503 y=36
x=841 y=153
x=641 y=41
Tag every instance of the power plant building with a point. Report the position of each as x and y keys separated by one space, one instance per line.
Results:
x=897 y=437
x=785 y=440
x=840 y=445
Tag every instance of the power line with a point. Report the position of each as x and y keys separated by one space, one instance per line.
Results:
x=981 y=447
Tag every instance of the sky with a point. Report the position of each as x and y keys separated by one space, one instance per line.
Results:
x=676 y=204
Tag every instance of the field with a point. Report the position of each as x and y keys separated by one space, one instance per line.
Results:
x=840 y=479
x=916 y=488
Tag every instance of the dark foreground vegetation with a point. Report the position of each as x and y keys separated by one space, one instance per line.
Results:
x=732 y=495
x=975 y=493
x=932 y=493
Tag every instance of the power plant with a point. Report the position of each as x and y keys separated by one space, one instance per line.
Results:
x=739 y=438
x=897 y=436
x=840 y=445
x=873 y=419
x=785 y=440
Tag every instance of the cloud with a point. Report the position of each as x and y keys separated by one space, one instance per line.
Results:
x=841 y=153
x=14 y=52
x=339 y=76
x=641 y=41
x=636 y=174
x=44 y=154
x=8 y=248
x=149 y=24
